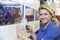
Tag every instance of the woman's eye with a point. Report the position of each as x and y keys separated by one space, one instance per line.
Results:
x=45 y=14
x=40 y=14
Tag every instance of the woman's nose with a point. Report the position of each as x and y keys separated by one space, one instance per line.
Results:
x=42 y=16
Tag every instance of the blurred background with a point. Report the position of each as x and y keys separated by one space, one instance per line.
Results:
x=16 y=11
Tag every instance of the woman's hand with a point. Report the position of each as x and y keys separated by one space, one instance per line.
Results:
x=29 y=28
x=31 y=31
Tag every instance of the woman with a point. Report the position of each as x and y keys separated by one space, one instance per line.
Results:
x=49 y=25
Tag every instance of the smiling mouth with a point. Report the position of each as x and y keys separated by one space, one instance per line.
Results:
x=43 y=19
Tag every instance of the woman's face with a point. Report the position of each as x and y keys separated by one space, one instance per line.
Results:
x=44 y=16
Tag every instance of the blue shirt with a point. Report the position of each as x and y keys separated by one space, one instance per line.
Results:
x=50 y=33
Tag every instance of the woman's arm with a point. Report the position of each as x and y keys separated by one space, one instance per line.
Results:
x=31 y=31
x=24 y=37
x=33 y=35
x=20 y=34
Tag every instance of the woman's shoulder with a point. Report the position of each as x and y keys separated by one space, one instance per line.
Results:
x=53 y=26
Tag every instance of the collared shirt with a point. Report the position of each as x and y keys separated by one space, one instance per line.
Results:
x=50 y=33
